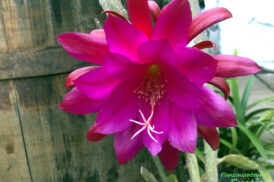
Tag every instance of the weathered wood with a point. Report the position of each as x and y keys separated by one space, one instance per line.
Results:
x=13 y=160
x=36 y=62
x=28 y=30
x=56 y=142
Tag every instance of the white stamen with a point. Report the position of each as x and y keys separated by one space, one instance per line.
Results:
x=137 y=122
x=148 y=131
x=146 y=125
x=138 y=132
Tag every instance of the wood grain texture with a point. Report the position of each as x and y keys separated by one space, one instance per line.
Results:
x=28 y=30
x=13 y=158
x=36 y=62
x=56 y=142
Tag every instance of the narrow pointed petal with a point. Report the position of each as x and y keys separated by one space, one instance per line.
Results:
x=119 y=66
x=215 y=112
x=221 y=84
x=122 y=37
x=160 y=118
x=211 y=136
x=173 y=23
x=125 y=148
x=98 y=33
x=205 y=19
x=96 y=84
x=159 y=51
x=154 y=9
x=169 y=156
x=93 y=136
x=115 y=14
x=75 y=74
x=179 y=90
x=232 y=66
x=206 y=44
x=183 y=130
x=77 y=103
x=84 y=46
x=139 y=15
x=198 y=66
x=122 y=106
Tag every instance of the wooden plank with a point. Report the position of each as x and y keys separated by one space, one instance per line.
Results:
x=12 y=152
x=36 y=62
x=56 y=141
x=17 y=24
x=28 y=28
x=35 y=23
x=3 y=38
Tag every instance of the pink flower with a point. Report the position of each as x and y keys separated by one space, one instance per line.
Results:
x=149 y=90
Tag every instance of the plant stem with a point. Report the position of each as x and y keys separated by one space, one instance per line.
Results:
x=192 y=167
x=211 y=169
x=160 y=168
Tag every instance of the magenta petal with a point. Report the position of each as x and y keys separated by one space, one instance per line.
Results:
x=169 y=156
x=215 y=112
x=211 y=136
x=77 y=103
x=198 y=66
x=119 y=66
x=173 y=23
x=75 y=74
x=121 y=106
x=84 y=46
x=183 y=130
x=184 y=93
x=232 y=66
x=157 y=51
x=125 y=148
x=221 y=84
x=160 y=121
x=154 y=9
x=205 y=19
x=93 y=136
x=98 y=33
x=122 y=37
x=96 y=84
x=205 y=44
x=139 y=15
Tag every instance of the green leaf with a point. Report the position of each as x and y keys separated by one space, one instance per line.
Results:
x=247 y=91
x=254 y=113
x=265 y=174
x=239 y=161
x=172 y=178
x=260 y=102
x=256 y=142
x=264 y=127
x=236 y=100
x=268 y=115
x=148 y=177
x=199 y=154
x=228 y=145
x=234 y=139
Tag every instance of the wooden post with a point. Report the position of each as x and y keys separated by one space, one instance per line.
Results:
x=39 y=142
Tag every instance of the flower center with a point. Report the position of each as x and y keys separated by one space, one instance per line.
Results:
x=151 y=89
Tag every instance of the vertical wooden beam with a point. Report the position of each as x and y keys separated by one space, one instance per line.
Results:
x=13 y=160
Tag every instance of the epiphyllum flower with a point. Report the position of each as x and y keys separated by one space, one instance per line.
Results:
x=149 y=90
